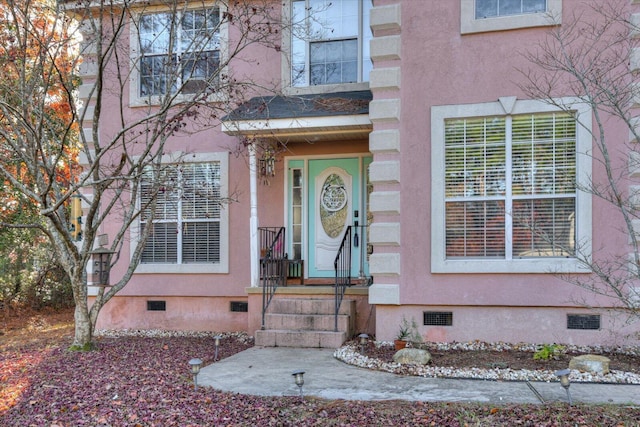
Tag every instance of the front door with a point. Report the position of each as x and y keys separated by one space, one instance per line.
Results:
x=333 y=200
x=334 y=195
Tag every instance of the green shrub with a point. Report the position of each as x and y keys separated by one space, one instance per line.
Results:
x=548 y=352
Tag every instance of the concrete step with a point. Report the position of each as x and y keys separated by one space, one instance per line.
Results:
x=310 y=306
x=300 y=339
x=307 y=322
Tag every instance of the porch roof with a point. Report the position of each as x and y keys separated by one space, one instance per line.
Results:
x=317 y=117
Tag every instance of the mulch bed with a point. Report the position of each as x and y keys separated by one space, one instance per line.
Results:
x=505 y=359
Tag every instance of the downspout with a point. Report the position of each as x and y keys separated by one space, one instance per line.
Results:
x=253 y=220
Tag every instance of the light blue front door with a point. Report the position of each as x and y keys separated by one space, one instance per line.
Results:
x=333 y=204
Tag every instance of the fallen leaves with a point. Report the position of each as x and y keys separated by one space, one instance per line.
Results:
x=142 y=381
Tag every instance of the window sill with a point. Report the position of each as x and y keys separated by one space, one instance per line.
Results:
x=181 y=269
x=319 y=89
x=542 y=265
x=154 y=101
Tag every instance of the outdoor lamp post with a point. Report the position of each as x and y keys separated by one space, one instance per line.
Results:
x=298 y=377
x=563 y=374
x=101 y=263
x=364 y=338
x=217 y=339
x=195 y=365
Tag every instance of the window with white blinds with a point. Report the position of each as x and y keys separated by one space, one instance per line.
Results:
x=186 y=225
x=509 y=186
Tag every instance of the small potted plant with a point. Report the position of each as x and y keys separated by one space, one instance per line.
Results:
x=407 y=332
x=401 y=339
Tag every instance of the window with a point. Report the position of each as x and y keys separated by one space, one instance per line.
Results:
x=184 y=59
x=493 y=8
x=190 y=223
x=505 y=195
x=497 y=15
x=330 y=42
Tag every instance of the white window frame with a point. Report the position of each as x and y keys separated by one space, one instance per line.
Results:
x=135 y=100
x=469 y=24
x=289 y=89
x=195 y=268
x=439 y=262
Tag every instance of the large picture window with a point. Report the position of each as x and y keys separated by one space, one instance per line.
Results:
x=187 y=222
x=330 y=42
x=509 y=187
x=178 y=52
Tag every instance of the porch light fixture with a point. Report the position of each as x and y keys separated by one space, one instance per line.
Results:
x=364 y=338
x=298 y=377
x=563 y=374
x=267 y=163
x=195 y=365
x=216 y=341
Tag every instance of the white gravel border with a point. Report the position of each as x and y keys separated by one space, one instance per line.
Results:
x=350 y=354
x=161 y=333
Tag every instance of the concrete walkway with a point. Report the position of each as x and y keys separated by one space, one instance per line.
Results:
x=268 y=372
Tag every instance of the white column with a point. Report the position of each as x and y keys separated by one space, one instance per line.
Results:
x=253 y=221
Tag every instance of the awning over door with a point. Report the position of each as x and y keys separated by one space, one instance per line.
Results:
x=318 y=117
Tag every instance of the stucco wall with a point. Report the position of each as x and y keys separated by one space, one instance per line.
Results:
x=186 y=313
x=440 y=66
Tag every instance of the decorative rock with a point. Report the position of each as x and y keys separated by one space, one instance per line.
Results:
x=413 y=356
x=590 y=363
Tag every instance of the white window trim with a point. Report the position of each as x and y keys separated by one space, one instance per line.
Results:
x=285 y=66
x=195 y=268
x=439 y=263
x=469 y=24
x=135 y=100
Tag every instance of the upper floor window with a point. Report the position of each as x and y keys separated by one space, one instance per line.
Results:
x=178 y=52
x=509 y=189
x=330 y=42
x=492 y=8
x=497 y=15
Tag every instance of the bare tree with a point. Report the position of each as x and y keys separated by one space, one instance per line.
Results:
x=184 y=82
x=591 y=57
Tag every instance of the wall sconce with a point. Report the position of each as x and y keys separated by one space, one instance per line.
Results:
x=298 y=377
x=195 y=365
x=364 y=338
x=217 y=339
x=563 y=374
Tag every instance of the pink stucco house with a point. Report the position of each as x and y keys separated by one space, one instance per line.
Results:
x=408 y=132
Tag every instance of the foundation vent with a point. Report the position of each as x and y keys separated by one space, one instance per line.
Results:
x=156 y=306
x=438 y=318
x=583 y=321
x=239 y=306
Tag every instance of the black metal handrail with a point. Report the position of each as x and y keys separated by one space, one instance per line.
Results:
x=342 y=266
x=273 y=264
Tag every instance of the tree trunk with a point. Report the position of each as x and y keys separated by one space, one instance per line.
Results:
x=84 y=326
x=83 y=329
